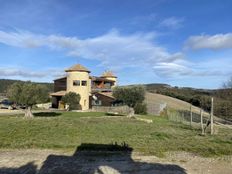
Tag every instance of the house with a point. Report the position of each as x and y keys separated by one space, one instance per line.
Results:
x=92 y=90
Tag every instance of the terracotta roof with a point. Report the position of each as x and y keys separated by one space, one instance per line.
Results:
x=77 y=67
x=94 y=78
x=58 y=93
x=108 y=74
x=60 y=78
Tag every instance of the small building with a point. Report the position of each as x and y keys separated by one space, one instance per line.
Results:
x=94 y=91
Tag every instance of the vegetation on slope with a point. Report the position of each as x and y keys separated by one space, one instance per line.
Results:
x=199 y=97
x=6 y=83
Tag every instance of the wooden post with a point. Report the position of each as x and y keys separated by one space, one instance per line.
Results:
x=191 y=116
x=211 y=117
x=202 y=126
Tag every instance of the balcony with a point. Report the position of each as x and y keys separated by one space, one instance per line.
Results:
x=102 y=88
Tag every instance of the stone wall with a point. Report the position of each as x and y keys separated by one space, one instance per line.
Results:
x=122 y=110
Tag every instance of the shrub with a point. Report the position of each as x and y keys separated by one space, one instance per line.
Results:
x=129 y=95
x=72 y=99
x=140 y=108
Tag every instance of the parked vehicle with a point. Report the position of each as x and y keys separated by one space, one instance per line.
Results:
x=6 y=104
x=20 y=106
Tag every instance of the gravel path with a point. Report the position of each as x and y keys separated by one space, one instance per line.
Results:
x=59 y=162
x=4 y=112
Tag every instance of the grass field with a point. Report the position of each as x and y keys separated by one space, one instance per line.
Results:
x=68 y=130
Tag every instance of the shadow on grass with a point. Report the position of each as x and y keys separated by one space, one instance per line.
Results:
x=47 y=114
x=96 y=159
x=114 y=114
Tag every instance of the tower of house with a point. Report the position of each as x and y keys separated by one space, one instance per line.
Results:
x=110 y=76
x=78 y=81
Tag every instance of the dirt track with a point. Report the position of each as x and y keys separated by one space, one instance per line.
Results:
x=59 y=162
x=10 y=112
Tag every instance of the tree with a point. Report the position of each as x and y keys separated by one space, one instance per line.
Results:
x=228 y=84
x=27 y=94
x=72 y=99
x=131 y=96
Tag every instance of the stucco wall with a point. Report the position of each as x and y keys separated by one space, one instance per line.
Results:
x=82 y=90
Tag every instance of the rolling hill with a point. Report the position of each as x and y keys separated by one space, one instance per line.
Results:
x=172 y=103
x=5 y=83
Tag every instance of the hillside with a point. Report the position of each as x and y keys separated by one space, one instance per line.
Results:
x=173 y=103
x=198 y=97
x=152 y=99
x=5 y=83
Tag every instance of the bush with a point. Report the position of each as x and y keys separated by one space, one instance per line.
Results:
x=129 y=95
x=72 y=99
x=133 y=97
x=140 y=108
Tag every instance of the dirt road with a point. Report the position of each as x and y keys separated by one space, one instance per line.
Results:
x=60 y=162
x=10 y=112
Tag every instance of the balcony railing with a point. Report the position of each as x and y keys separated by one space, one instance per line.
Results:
x=98 y=89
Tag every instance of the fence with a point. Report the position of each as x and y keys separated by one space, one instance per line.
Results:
x=197 y=118
x=155 y=108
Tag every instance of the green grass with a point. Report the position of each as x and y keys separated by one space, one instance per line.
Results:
x=69 y=129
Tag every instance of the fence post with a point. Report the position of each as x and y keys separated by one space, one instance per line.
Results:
x=182 y=117
x=191 y=116
x=202 y=126
x=211 y=117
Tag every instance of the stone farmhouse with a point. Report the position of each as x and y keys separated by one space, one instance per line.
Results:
x=94 y=91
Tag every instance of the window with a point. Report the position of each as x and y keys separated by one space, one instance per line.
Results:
x=84 y=83
x=76 y=82
x=96 y=102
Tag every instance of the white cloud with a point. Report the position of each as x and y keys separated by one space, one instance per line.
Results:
x=187 y=69
x=20 y=72
x=218 y=41
x=172 y=69
x=172 y=22
x=113 y=50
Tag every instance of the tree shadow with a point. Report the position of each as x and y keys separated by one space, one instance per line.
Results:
x=98 y=159
x=29 y=168
x=47 y=114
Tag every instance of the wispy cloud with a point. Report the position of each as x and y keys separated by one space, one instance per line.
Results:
x=172 y=69
x=5 y=72
x=25 y=73
x=172 y=22
x=218 y=41
x=112 y=49
x=191 y=69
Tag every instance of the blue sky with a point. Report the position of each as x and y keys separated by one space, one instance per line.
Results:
x=178 y=42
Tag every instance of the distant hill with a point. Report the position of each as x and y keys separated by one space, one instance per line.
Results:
x=5 y=83
x=198 y=97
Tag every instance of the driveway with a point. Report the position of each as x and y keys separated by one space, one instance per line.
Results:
x=10 y=112
x=32 y=161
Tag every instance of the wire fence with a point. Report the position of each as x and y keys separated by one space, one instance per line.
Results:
x=197 y=119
